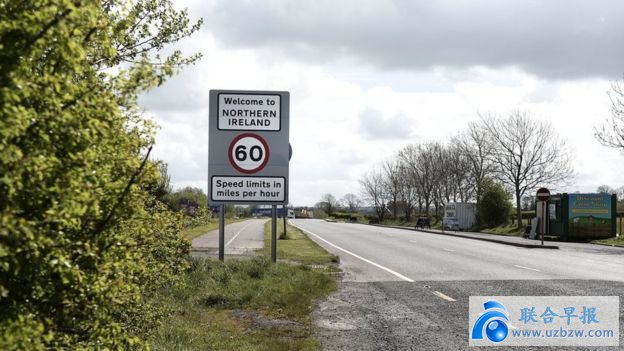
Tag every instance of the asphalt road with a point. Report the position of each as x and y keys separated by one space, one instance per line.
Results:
x=241 y=238
x=406 y=290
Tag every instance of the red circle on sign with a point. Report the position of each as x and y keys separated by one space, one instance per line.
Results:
x=261 y=165
x=543 y=194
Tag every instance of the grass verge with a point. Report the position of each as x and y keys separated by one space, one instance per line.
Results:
x=505 y=229
x=296 y=246
x=242 y=305
x=617 y=241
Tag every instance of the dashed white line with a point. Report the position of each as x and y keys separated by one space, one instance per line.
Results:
x=356 y=255
x=442 y=296
x=235 y=235
x=529 y=268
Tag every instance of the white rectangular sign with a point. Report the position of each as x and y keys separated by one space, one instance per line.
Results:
x=249 y=112
x=248 y=189
x=568 y=321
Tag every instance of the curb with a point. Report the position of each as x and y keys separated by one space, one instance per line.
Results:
x=527 y=246
x=610 y=245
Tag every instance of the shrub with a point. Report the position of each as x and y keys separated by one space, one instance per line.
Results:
x=494 y=205
x=83 y=244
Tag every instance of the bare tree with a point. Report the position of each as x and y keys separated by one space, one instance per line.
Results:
x=528 y=203
x=351 y=202
x=408 y=191
x=440 y=175
x=420 y=163
x=611 y=134
x=606 y=189
x=392 y=178
x=461 y=179
x=328 y=204
x=527 y=154
x=374 y=190
x=476 y=147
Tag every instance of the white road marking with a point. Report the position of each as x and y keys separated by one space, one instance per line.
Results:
x=529 y=268
x=235 y=235
x=357 y=256
x=442 y=296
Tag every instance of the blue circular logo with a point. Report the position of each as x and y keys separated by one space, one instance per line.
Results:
x=496 y=331
x=492 y=321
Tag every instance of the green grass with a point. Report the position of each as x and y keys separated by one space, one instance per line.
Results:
x=192 y=233
x=236 y=304
x=617 y=241
x=296 y=246
x=205 y=307
x=506 y=229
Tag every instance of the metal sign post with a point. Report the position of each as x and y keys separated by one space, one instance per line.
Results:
x=285 y=214
x=221 y=232
x=274 y=233
x=544 y=221
x=248 y=150
x=543 y=195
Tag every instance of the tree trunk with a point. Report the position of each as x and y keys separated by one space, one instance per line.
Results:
x=518 y=210
x=394 y=207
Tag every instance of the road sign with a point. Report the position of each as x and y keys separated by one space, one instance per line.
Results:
x=249 y=153
x=543 y=194
x=248 y=147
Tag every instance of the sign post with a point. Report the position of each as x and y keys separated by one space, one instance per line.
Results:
x=543 y=195
x=248 y=150
x=221 y=232
x=274 y=233
x=285 y=214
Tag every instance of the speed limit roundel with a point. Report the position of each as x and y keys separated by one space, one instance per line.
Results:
x=249 y=153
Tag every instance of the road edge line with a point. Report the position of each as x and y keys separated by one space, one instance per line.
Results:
x=236 y=235
x=443 y=296
x=399 y=275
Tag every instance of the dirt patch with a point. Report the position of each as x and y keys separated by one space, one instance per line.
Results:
x=258 y=321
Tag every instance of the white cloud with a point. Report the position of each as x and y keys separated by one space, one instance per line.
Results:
x=347 y=115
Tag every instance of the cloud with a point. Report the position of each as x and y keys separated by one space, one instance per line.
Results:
x=557 y=39
x=358 y=95
x=374 y=125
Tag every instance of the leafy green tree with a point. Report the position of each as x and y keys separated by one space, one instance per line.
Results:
x=82 y=242
x=494 y=206
x=186 y=195
x=161 y=188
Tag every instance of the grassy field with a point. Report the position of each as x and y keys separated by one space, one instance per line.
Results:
x=192 y=233
x=296 y=246
x=248 y=304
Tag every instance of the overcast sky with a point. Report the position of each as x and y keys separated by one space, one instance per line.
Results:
x=369 y=77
